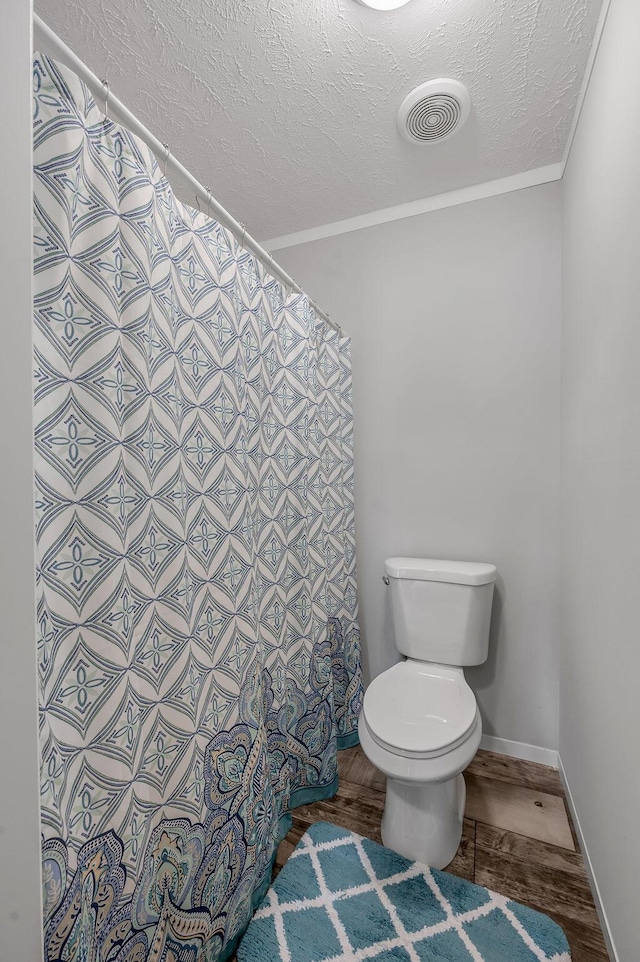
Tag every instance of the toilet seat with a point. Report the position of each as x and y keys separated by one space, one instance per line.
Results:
x=419 y=710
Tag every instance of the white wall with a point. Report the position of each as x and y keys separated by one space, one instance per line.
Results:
x=600 y=656
x=20 y=914
x=455 y=320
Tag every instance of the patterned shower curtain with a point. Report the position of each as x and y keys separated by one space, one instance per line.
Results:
x=198 y=649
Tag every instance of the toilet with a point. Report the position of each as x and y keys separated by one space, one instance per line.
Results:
x=420 y=723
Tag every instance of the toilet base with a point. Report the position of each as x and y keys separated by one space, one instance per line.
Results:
x=424 y=821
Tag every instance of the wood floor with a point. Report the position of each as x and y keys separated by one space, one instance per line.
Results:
x=517 y=838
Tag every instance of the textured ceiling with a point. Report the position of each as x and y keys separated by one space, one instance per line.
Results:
x=287 y=108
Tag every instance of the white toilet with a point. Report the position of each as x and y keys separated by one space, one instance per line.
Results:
x=420 y=724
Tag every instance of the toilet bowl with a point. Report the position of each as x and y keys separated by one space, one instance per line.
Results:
x=421 y=727
x=420 y=723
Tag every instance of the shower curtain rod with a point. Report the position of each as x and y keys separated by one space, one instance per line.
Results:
x=51 y=43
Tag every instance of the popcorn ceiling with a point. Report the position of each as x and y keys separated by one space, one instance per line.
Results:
x=287 y=108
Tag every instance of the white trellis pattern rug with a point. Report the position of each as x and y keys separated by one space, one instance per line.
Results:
x=344 y=898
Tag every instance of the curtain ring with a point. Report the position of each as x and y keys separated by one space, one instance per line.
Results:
x=208 y=190
x=244 y=231
x=105 y=84
x=166 y=158
x=334 y=325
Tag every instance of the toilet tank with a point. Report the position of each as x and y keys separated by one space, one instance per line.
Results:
x=441 y=609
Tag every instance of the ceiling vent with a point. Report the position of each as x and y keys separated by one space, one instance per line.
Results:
x=434 y=111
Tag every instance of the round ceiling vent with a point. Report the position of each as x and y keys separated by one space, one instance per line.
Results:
x=434 y=111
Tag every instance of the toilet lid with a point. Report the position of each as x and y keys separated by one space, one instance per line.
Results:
x=416 y=708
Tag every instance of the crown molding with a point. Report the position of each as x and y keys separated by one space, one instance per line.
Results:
x=595 y=46
x=492 y=188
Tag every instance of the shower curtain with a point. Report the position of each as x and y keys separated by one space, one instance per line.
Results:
x=198 y=645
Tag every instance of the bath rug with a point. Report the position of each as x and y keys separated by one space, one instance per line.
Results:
x=344 y=898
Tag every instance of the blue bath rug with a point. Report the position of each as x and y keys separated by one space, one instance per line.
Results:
x=343 y=898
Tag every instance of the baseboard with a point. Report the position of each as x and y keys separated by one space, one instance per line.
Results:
x=530 y=753
x=602 y=915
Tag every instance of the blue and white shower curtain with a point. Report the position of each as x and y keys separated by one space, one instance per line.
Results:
x=198 y=649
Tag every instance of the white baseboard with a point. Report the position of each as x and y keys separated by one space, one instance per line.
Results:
x=530 y=753
x=602 y=915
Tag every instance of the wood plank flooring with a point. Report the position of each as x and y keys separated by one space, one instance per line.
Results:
x=517 y=837
x=520 y=810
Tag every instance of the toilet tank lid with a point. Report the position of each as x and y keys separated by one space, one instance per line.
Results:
x=453 y=572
